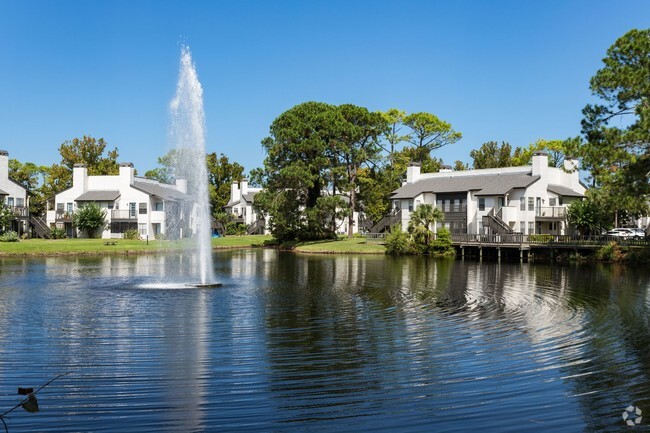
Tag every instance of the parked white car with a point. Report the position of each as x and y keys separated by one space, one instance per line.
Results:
x=624 y=233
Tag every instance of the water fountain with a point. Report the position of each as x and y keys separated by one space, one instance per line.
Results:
x=188 y=137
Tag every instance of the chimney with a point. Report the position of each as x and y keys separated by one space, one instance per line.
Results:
x=243 y=185
x=181 y=185
x=413 y=172
x=540 y=163
x=4 y=164
x=571 y=166
x=234 y=192
x=80 y=177
x=127 y=174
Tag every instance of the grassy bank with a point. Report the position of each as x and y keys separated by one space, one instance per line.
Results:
x=340 y=246
x=40 y=247
x=47 y=247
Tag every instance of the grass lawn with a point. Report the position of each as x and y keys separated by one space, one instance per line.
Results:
x=37 y=247
x=341 y=246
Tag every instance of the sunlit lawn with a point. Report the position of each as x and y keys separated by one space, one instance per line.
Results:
x=341 y=246
x=98 y=246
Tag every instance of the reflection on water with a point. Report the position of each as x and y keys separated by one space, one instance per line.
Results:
x=296 y=343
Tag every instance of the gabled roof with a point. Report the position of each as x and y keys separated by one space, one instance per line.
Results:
x=564 y=191
x=98 y=195
x=483 y=184
x=167 y=193
x=250 y=197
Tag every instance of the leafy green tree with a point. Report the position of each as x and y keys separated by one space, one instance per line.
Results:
x=86 y=150
x=297 y=170
x=221 y=174
x=30 y=176
x=90 y=151
x=491 y=155
x=392 y=138
x=356 y=144
x=428 y=133
x=588 y=216
x=460 y=165
x=6 y=216
x=617 y=131
x=90 y=218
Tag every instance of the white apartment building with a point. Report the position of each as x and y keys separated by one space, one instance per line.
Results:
x=153 y=208
x=14 y=196
x=530 y=199
x=241 y=206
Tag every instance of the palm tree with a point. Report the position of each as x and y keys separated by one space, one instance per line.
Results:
x=423 y=218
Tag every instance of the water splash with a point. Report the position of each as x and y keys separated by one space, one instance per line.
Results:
x=188 y=136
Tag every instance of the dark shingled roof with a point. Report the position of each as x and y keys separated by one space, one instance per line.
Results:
x=564 y=191
x=167 y=193
x=483 y=184
x=98 y=195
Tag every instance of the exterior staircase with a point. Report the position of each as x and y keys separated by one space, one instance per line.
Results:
x=496 y=225
x=256 y=228
x=40 y=226
x=387 y=222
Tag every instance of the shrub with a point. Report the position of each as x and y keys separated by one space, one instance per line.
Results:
x=90 y=218
x=161 y=237
x=442 y=244
x=610 y=253
x=398 y=242
x=235 y=228
x=57 y=233
x=132 y=235
x=9 y=236
x=545 y=239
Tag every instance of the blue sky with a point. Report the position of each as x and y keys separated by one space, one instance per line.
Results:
x=511 y=71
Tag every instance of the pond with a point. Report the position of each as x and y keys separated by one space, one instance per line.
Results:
x=297 y=343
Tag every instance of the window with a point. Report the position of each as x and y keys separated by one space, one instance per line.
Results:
x=531 y=228
x=131 y=210
x=481 y=203
x=59 y=207
x=142 y=208
x=159 y=206
x=410 y=205
x=463 y=205
x=142 y=229
x=522 y=227
x=456 y=205
x=10 y=201
x=439 y=204
x=447 y=205
x=69 y=207
x=552 y=201
x=20 y=202
x=522 y=204
x=531 y=203
x=110 y=205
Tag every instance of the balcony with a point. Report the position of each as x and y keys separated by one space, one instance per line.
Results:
x=19 y=211
x=63 y=216
x=123 y=215
x=550 y=213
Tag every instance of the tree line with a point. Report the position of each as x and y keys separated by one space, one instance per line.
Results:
x=323 y=162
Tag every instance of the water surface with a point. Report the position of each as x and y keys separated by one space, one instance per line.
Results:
x=295 y=343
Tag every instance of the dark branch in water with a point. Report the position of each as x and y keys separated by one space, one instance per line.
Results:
x=29 y=401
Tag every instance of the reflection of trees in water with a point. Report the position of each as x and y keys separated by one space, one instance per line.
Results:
x=614 y=340
x=333 y=329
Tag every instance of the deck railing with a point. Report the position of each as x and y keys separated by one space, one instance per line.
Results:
x=551 y=212
x=123 y=214
x=546 y=239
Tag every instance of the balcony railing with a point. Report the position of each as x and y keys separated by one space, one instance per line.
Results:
x=558 y=212
x=19 y=211
x=62 y=215
x=123 y=214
